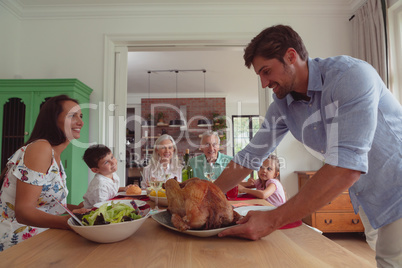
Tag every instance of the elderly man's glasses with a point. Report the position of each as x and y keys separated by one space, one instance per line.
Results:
x=206 y=145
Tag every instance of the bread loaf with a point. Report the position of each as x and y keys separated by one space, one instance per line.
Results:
x=133 y=190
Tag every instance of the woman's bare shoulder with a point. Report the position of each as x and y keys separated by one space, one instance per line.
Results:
x=38 y=156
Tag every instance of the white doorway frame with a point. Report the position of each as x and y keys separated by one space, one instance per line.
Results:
x=112 y=132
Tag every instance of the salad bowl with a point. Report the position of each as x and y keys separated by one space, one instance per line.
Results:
x=107 y=233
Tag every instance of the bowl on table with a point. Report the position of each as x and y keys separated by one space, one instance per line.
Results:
x=162 y=201
x=107 y=233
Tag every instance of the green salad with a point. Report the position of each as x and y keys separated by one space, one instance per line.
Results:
x=110 y=213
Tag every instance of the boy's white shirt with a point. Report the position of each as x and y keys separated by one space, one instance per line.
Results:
x=101 y=189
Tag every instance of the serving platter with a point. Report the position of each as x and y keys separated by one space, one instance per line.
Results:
x=163 y=218
x=244 y=210
x=139 y=203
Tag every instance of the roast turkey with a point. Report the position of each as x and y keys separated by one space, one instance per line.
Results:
x=198 y=204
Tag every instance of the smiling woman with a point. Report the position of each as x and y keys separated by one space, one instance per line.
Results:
x=164 y=160
x=70 y=120
x=35 y=177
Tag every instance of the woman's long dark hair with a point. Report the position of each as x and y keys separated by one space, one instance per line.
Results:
x=46 y=125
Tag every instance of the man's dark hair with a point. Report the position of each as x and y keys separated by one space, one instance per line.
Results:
x=95 y=153
x=272 y=43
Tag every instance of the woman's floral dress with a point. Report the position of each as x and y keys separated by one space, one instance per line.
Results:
x=53 y=186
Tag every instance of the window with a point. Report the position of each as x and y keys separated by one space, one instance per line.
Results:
x=244 y=129
x=395 y=56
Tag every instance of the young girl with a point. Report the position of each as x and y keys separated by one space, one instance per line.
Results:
x=267 y=186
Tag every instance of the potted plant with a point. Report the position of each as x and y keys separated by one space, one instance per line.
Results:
x=161 y=117
x=219 y=125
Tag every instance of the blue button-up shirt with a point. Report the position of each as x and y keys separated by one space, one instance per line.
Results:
x=353 y=121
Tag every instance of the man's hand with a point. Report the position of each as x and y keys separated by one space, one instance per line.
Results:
x=254 y=226
x=324 y=186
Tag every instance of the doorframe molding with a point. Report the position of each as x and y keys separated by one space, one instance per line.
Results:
x=116 y=49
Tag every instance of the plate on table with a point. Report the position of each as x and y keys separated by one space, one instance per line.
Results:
x=143 y=192
x=163 y=218
x=244 y=210
x=127 y=202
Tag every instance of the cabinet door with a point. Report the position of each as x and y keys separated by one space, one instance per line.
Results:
x=15 y=123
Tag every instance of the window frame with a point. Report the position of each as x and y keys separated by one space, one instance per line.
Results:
x=250 y=128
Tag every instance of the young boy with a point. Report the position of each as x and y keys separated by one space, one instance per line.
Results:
x=105 y=184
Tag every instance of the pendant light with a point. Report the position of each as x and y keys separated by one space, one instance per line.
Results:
x=177 y=122
x=148 y=123
x=204 y=122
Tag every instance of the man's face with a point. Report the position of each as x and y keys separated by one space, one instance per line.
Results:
x=210 y=147
x=276 y=75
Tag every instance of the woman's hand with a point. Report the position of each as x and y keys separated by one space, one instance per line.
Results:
x=81 y=210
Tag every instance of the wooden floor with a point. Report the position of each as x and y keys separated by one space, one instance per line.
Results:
x=354 y=242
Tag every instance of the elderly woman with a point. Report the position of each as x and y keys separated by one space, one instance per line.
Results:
x=164 y=160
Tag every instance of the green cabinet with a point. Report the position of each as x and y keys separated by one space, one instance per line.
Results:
x=20 y=101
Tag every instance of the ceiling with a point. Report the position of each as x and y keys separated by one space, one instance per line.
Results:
x=27 y=3
x=225 y=71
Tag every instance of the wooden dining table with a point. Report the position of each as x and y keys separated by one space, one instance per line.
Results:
x=154 y=245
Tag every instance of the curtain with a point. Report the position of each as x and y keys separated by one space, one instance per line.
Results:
x=369 y=36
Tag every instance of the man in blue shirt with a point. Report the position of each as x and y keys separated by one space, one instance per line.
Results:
x=340 y=108
x=210 y=143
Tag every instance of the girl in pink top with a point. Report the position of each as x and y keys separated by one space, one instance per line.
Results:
x=267 y=186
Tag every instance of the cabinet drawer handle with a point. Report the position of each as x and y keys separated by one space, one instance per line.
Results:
x=355 y=221
x=328 y=221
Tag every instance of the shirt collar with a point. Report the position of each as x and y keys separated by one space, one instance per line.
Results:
x=315 y=81
x=218 y=159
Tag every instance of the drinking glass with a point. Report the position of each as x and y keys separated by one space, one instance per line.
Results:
x=232 y=194
x=209 y=171
x=166 y=172
x=156 y=184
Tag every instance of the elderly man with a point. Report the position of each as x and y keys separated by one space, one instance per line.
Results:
x=210 y=143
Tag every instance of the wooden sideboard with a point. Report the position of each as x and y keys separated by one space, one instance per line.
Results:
x=337 y=216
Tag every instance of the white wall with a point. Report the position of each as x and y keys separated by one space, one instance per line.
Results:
x=10 y=32
x=53 y=47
